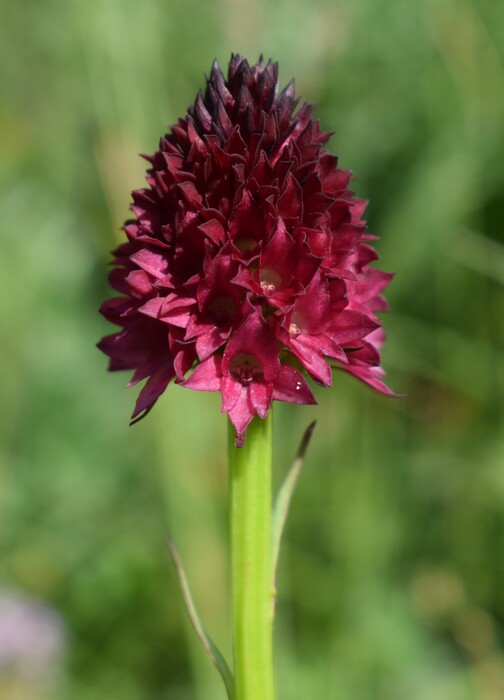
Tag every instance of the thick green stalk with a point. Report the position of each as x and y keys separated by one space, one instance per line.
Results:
x=251 y=582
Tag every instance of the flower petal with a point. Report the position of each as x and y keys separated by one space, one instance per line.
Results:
x=291 y=386
x=206 y=376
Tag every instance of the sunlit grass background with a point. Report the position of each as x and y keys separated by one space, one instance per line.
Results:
x=392 y=574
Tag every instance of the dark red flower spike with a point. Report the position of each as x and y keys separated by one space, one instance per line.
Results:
x=248 y=260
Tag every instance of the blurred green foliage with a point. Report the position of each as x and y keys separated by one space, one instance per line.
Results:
x=392 y=573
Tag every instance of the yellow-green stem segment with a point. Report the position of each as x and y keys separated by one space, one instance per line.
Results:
x=251 y=575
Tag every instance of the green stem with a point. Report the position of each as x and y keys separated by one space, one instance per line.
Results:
x=250 y=522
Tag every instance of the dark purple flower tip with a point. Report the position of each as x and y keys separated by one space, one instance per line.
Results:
x=247 y=261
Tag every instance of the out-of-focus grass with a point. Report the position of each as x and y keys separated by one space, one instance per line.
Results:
x=392 y=573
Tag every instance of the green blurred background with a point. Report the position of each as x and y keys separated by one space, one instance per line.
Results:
x=392 y=571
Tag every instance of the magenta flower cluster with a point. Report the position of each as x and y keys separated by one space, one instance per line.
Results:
x=247 y=265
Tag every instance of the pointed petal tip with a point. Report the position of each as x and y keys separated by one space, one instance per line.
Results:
x=290 y=89
x=240 y=439
x=136 y=418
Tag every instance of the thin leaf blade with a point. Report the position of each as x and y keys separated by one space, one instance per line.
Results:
x=283 y=500
x=211 y=650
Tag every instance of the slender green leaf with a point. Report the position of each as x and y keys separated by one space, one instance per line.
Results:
x=283 y=499
x=208 y=645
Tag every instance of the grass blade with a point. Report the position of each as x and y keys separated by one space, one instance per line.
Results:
x=283 y=499
x=208 y=645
